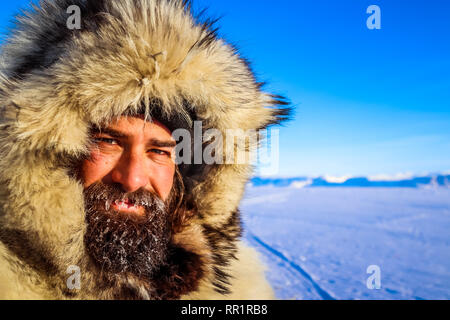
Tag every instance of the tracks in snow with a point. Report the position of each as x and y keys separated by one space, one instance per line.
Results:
x=294 y=266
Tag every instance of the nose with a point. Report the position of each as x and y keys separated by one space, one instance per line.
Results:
x=131 y=172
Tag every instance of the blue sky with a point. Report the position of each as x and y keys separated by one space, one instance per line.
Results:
x=366 y=101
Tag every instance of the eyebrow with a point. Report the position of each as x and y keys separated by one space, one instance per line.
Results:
x=162 y=143
x=153 y=142
x=111 y=132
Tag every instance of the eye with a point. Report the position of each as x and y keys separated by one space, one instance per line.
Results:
x=160 y=152
x=107 y=140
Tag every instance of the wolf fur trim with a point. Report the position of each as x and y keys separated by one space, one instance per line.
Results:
x=55 y=83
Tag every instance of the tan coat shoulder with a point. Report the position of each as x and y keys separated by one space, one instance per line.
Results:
x=17 y=281
x=248 y=281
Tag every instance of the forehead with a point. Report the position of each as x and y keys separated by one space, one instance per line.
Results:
x=138 y=126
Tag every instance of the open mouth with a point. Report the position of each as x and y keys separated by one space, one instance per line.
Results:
x=127 y=206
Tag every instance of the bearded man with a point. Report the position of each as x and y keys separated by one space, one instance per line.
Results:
x=88 y=174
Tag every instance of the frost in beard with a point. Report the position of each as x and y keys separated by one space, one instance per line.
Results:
x=122 y=243
x=107 y=204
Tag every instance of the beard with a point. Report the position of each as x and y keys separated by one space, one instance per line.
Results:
x=122 y=242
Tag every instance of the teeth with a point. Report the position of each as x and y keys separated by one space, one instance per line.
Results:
x=122 y=204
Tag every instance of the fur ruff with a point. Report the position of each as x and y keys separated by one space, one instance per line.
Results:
x=56 y=83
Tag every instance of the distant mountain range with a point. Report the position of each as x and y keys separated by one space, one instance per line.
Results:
x=431 y=181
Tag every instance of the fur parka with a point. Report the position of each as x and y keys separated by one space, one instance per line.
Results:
x=55 y=83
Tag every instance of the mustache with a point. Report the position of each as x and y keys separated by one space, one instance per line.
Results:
x=106 y=194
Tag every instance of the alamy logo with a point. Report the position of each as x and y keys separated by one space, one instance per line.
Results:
x=374 y=281
x=74 y=20
x=74 y=281
x=230 y=146
x=374 y=20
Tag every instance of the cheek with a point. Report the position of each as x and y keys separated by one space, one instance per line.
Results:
x=95 y=168
x=163 y=180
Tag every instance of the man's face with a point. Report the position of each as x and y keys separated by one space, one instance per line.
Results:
x=128 y=188
x=135 y=154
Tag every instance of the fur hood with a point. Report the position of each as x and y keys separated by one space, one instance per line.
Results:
x=55 y=83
